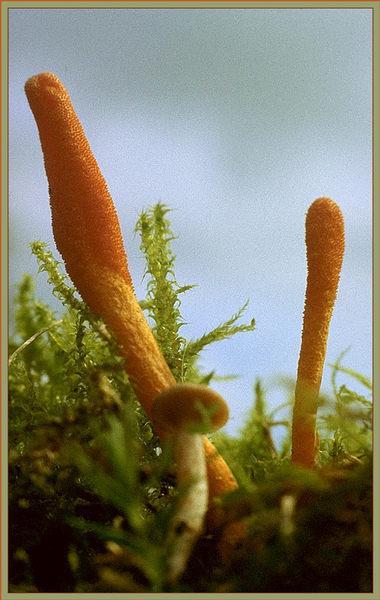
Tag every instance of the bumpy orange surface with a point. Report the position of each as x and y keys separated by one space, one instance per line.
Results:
x=87 y=233
x=85 y=223
x=325 y=249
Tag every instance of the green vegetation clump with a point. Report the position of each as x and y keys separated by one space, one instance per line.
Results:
x=92 y=492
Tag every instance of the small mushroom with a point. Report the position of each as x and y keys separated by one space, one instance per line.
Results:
x=183 y=412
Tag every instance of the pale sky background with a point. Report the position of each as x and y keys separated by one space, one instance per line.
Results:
x=236 y=119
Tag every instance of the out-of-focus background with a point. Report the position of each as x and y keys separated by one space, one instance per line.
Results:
x=235 y=118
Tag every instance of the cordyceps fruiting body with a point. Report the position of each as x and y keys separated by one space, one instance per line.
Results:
x=87 y=232
x=325 y=249
x=74 y=174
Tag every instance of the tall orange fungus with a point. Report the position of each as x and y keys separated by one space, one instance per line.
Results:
x=87 y=233
x=325 y=249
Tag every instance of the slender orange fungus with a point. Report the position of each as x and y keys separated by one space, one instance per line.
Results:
x=325 y=249
x=87 y=233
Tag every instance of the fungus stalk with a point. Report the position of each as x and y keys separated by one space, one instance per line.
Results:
x=88 y=236
x=325 y=249
x=180 y=411
x=188 y=523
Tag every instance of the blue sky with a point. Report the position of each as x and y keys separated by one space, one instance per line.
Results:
x=236 y=119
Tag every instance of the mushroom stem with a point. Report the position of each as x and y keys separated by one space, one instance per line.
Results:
x=184 y=411
x=188 y=522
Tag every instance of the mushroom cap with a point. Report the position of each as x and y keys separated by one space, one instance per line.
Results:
x=189 y=406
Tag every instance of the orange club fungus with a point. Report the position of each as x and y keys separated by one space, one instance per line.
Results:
x=88 y=236
x=325 y=249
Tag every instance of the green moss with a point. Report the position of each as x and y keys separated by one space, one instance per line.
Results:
x=92 y=492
